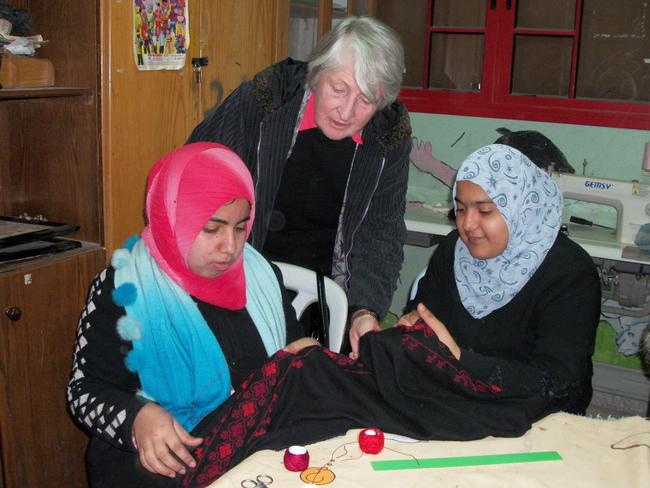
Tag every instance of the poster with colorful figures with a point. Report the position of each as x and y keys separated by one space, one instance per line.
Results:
x=161 y=34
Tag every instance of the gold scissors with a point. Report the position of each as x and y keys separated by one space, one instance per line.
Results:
x=261 y=481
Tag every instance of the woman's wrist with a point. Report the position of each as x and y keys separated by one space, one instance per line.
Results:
x=363 y=312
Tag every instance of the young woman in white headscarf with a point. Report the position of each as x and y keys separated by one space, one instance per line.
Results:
x=512 y=297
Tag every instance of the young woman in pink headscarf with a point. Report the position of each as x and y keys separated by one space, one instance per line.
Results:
x=177 y=322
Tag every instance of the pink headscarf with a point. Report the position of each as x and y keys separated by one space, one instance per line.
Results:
x=185 y=188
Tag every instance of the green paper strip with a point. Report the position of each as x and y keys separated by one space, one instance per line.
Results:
x=452 y=462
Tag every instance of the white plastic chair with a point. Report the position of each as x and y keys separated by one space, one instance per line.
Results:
x=303 y=281
x=416 y=283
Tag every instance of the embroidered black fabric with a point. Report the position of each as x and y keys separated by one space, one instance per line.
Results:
x=406 y=382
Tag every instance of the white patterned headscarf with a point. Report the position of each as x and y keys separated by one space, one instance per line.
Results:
x=530 y=203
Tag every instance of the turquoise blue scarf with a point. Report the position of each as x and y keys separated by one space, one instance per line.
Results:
x=175 y=354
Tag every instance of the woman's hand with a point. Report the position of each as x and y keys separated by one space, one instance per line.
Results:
x=408 y=319
x=359 y=327
x=439 y=328
x=298 y=345
x=161 y=441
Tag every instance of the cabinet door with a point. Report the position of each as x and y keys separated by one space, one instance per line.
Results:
x=239 y=39
x=40 y=444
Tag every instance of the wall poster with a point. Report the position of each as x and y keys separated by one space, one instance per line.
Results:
x=161 y=34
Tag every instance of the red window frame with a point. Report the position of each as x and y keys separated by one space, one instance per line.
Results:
x=495 y=100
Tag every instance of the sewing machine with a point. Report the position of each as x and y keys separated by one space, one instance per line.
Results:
x=630 y=199
x=625 y=279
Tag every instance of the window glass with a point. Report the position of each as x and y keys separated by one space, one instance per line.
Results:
x=339 y=11
x=542 y=65
x=361 y=7
x=595 y=72
x=409 y=19
x=549 y=14
x=615 y=51
x=303 y=28
x=456 y=61
x=452 y=13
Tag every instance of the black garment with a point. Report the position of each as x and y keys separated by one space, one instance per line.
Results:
x=238 y=337
x=541 y=341
x=259 y=121
x=407 y=382
x=308 y=204
x=102 y=391
x=521 y=362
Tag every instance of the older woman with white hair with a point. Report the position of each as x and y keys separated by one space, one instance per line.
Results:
x=328 y=145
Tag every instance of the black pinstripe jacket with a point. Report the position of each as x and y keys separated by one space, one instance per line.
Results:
x=260 y=121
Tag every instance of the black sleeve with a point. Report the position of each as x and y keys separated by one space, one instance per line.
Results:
x=438 y=276
x=379 y=250
x=102 y=392
x=557 y=376
x=565 y=317
x=564 y=313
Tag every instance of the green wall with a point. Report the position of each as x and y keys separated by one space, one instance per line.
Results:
x=611 y=153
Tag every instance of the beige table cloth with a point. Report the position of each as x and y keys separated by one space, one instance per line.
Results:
x=584 y=444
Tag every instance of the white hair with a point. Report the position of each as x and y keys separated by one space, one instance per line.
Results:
x=378 y=57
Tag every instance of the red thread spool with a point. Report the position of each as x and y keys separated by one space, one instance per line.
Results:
x=371 y=441
x=296 y=458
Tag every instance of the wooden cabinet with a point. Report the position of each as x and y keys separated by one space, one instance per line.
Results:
x=49 y=165
x=49 y=137
x=39 y=305
x=80 y=153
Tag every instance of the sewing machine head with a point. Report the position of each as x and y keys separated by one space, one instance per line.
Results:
x=630 y=199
